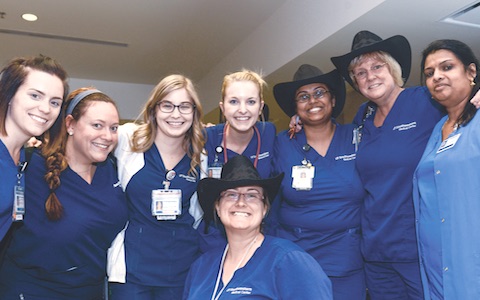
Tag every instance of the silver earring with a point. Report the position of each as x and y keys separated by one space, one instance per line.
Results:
x=70 y=133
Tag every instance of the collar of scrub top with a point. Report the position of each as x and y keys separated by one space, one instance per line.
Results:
x=259 y=141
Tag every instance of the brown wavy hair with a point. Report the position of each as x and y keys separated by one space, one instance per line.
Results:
x=54 y=152
x=194 y=139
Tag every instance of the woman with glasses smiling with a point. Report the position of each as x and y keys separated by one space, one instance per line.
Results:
x=159 y=164
x=394 y=127
x=320 y=197
x=252 y=265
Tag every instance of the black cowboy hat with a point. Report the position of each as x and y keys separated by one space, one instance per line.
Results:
x=306 y=74
x=238 y=171
x=365 y=42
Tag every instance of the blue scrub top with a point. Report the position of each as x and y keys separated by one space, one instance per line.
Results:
x=277 y=270
x=447 y=206
x=58 y=259
x=267 y=138
x=324 y=221
x=159 y=253
x=8 y=181
x=386 y=160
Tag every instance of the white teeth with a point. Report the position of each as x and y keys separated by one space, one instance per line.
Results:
x=101 y=145
x=175 y=123
x=242 y=118
x=243 y=214
x=315 y=109
x=38 y=119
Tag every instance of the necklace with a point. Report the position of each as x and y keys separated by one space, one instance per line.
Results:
x=236 y=268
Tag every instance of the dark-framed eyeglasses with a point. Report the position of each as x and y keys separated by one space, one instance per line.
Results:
x=183 y=108
x=305 y=97
x=234 y=196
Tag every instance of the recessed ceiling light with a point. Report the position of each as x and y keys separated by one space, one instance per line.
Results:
x=29 y=17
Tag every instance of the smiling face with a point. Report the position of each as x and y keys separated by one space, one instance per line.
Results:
x=377 y=84
x=241 y=105
x=314 y=110
x=94 y=134
x=246 y=213
x=447 y=78
x=35 y=106
x=174 y=124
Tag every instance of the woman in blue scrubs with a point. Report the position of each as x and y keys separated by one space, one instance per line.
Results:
x=242 y=105
x=252 y=265
x=32 y=90
x=242 y=133
x=321 y=195
x=394 y=126
x=75 y=208
x=446 y=181
x=159 y=161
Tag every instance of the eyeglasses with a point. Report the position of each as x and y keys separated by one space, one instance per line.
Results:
x=183 y=108
x=305 y=97
x=247 y=197
x=362 y=73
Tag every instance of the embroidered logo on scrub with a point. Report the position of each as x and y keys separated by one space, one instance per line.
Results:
x=346 y=157
x=405 y=126
x=239 y=291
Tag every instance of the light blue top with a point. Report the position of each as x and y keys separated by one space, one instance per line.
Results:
x=447 y=206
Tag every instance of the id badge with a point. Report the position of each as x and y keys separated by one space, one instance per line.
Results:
x=215 y=172
x=166 y=204
x=449 y=143
x=18 y=203
x=303 y=177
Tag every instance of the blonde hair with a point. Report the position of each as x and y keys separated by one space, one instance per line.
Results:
x=245 y=75
x=194 y=140
x=392 y=65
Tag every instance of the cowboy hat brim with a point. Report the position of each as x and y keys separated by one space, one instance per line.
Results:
x=284 y=93
x=397 y=46
x=209 y=190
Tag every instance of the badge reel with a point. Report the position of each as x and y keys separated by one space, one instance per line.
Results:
x=215 y=170
x=303 y=176
x=19 y=195
x=167 y=203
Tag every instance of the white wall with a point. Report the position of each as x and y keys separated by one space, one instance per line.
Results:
x=129 y=97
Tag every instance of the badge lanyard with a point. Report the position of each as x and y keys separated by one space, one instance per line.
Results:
x=259 y=141
x=167 y=203
x=19 y=195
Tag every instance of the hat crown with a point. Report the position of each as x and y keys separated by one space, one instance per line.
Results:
x=364 y=38
x=306 y=71
x=239 y=168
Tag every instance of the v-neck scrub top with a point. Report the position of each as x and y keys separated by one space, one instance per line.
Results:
x=277 y=270
x=64 y=259
x=325 y=220
x=267 y=138
x=8 y=180
x=386 y=160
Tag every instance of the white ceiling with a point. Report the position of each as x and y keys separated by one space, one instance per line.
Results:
x=142 y=41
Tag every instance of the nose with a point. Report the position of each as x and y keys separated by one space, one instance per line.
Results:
x=44 y=106
x=108 y=134
x=176 y=112
x=241 y=200
x=243 y=107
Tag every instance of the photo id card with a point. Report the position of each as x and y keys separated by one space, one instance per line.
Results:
x=166 y=204
x=303 y=177
x=18 y=203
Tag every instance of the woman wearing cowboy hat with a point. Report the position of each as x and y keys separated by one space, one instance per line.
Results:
x=321 y=194
x=252 y=265
x=394 y=127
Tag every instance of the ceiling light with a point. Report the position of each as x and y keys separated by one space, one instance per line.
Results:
x=29 y=17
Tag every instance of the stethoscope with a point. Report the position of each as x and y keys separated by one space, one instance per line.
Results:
x=225 y=158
